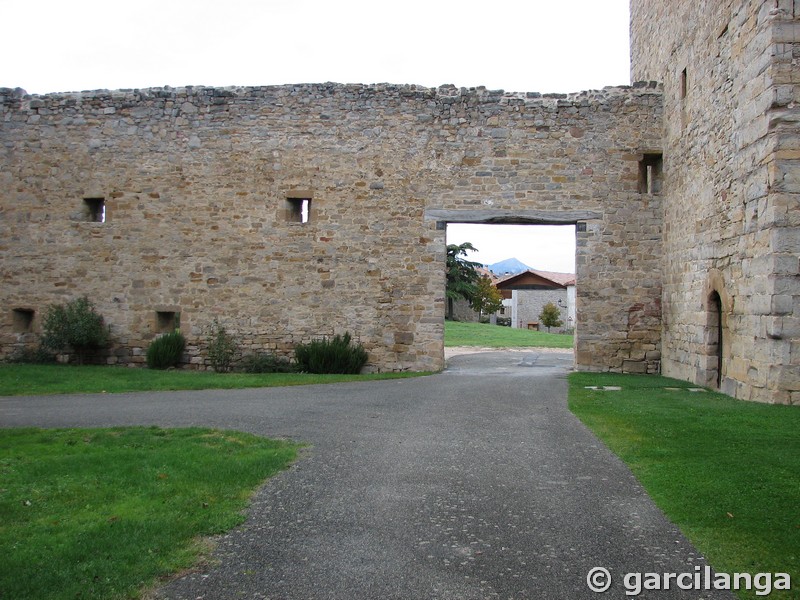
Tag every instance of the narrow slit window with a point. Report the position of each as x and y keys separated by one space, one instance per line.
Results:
x=650 y=173
x=22 y=320
x=95 y=209
x=167 y=321
x=298 y=209
x=684 y=84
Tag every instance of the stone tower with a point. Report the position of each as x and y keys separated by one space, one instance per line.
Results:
x=731 y=179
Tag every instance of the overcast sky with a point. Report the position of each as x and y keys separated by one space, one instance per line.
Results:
x=515 y=45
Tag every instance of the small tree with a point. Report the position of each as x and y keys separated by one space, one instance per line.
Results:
x=487 y=299
x=221 y=348
x=550 y=316
x=74 y=326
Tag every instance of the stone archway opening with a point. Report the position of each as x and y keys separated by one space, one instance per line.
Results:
x=535 y=261
x=617 y=324
x=575 y=221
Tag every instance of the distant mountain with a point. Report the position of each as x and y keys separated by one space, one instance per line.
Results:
x=509 y=266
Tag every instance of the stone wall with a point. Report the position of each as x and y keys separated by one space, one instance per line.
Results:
x=200 y=185
x=731 y=182
x=529 y=305
x=463 y=312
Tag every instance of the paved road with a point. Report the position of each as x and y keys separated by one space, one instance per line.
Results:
x=474 y=483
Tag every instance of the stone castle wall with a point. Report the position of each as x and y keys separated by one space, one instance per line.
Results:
x=731 y=183
x=198 y=186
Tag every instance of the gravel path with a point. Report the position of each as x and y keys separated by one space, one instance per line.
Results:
x=474 y=483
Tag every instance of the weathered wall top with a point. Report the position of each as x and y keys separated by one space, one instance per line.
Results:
x=329 y=88
x=215 y=95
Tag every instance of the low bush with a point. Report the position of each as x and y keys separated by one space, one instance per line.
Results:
x=32 y=356
x=335 y=355
x=74 y=326
x=221 y=348
x=166 y=351
x=263 y=362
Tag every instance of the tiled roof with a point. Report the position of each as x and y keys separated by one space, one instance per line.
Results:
x=564 y=279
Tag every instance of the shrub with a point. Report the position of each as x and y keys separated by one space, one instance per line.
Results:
x=166 y=351
x=335 y=355
x=32 y=356
x=221 y=348
x=74 y=326
x=262 y=362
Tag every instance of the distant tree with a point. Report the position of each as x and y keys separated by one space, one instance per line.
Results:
x=487 y=299
x=549 y=316
x=462 y=275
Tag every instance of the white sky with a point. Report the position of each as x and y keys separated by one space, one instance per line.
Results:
x=542 y=247
x=515 y=45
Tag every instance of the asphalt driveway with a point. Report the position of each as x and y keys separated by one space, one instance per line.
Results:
x=474 y=483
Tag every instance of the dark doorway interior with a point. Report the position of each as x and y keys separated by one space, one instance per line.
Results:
x=715 y=332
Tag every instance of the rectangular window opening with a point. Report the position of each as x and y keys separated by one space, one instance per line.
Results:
x=95 y=209
x=167 y=321
x=650 y=173
x=22 y=320
x=299 y=209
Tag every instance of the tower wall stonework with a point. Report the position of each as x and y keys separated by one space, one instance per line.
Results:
x=731 y=181
x=198 y=184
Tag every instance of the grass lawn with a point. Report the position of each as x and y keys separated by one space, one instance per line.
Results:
x=17 y=380
x=103 y=513
x=494 y=336
x=727 y=472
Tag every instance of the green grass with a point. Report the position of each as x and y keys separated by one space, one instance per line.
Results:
x=727 y=472
x=17 y=380
x=103 y=513
x=493 y=336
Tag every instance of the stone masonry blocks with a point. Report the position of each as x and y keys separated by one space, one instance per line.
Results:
x=198 y=186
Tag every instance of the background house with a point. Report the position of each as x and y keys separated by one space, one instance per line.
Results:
x=526 y=293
